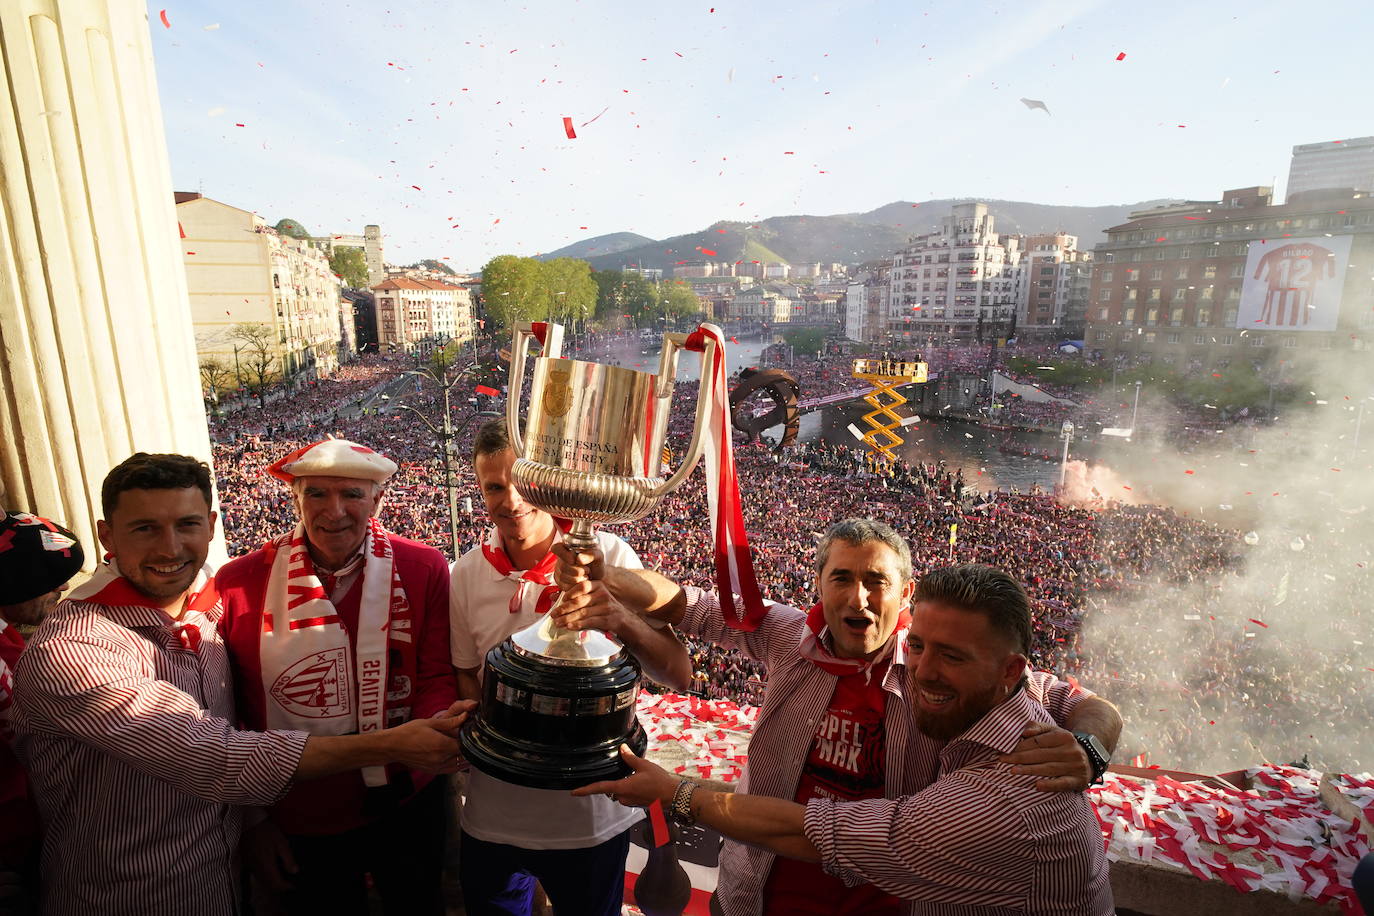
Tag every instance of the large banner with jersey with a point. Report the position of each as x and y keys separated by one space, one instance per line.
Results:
x=1293 y=284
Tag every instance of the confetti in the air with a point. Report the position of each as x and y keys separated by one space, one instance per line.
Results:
x=165 y=21
x=1121 y=56
x=568 y=129
x=1036 y=103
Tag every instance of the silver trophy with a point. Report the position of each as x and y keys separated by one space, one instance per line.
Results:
x=558 y=703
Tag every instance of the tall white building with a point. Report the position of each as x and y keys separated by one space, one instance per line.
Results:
x=412 y=310
x=239 y=271
x=959 y=282
x=1333 y=164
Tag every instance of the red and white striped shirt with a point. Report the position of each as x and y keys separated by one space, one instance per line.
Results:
x=796 y=698
x=980 y=840
x=124 y=719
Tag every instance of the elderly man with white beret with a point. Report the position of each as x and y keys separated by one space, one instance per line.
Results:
x=340 y=626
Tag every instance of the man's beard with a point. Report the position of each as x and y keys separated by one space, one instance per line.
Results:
x=956 y=716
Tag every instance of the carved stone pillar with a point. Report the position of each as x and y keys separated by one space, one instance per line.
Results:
x=97 y=355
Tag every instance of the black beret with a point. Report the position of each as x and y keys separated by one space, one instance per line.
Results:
x=36 y=556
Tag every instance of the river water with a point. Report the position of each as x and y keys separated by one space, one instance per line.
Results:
x=959 y=445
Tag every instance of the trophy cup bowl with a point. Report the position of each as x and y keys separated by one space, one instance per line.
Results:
x=557 y=704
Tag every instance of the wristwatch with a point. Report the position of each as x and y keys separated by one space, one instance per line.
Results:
x=1098 y=755
x=681 y=808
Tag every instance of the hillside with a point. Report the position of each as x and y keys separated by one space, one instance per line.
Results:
x=600 y=246
x=848 y=238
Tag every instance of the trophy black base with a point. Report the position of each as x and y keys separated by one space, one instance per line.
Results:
x=551 y=726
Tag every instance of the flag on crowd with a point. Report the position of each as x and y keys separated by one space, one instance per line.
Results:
x=953 y=533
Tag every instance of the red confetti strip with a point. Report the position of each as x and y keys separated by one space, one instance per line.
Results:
x=165 y=21
x=1187 y=472
x=1258 y=623
x=660 y=825
x=417 y=187
x=238 y=125
x=1121 y=56
x=568 y=129
x=708 y=252
x=484 y=389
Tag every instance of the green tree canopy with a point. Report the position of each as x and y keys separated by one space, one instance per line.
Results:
x=351 y=266
x=514 y=289
x=292 y=228
x=679 y=300
x=572 y=293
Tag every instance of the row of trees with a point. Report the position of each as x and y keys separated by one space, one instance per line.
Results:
x=524 y=289
x=567 y=290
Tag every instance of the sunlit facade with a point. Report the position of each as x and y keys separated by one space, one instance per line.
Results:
x=1168 y=285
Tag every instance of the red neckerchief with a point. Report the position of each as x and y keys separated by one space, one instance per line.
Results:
x=813 y=647
x=540 y=574
x=117 y=591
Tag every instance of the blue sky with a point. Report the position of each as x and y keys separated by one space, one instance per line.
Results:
x=686 y=113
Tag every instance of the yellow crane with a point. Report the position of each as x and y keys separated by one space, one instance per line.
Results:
x=885 y=375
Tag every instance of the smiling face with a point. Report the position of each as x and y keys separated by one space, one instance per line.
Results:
x=335 y=511
x=958 y=668
x=863 y=590
x=160 y=539
x=520 y=523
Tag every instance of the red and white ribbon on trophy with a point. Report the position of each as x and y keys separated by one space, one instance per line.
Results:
x=735 y=580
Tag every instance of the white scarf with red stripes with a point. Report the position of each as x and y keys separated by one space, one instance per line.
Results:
x=735 y=580
x=308 y=679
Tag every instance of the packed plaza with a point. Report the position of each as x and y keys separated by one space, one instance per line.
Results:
x=1081 y=565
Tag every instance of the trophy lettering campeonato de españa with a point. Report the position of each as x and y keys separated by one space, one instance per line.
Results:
x=557 y=704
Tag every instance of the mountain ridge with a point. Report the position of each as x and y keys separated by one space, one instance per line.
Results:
x=845 y=238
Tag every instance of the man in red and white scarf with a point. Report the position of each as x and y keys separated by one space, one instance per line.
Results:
x=835 y=722
x=124 y=716
x=512 y=835
x=335 y=628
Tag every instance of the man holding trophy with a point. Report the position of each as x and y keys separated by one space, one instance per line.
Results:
x=513 y=834
x=835 y=723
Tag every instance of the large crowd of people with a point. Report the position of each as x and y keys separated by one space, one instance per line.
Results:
x=1082 y=566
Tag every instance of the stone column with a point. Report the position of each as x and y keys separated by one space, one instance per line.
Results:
x=97 y=354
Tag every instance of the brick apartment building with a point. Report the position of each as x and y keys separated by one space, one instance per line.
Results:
x=1201 y=284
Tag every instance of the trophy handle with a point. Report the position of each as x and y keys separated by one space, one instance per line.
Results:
x=672 y=344
x=519 y=348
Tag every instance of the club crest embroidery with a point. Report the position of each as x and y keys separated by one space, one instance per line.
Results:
x=557 y=392
x=316 y=686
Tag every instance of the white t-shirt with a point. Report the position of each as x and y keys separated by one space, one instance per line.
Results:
x=501 y=812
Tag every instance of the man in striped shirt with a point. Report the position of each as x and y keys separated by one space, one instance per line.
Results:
x=123 y=714
x=981 y=839
x=835 y=722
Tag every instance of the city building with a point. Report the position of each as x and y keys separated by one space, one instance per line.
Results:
x=777 y=271
x=412 y=313
x=959 y=283
x=766 y=304
x=1200 y=284
x=241 y=273
x=866 y=302
x=1055 y=288
x=1345 y=164
x=371 y=244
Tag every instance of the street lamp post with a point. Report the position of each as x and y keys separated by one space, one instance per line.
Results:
x=1065 y=433
x=445 y=434
x=1135 y=407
